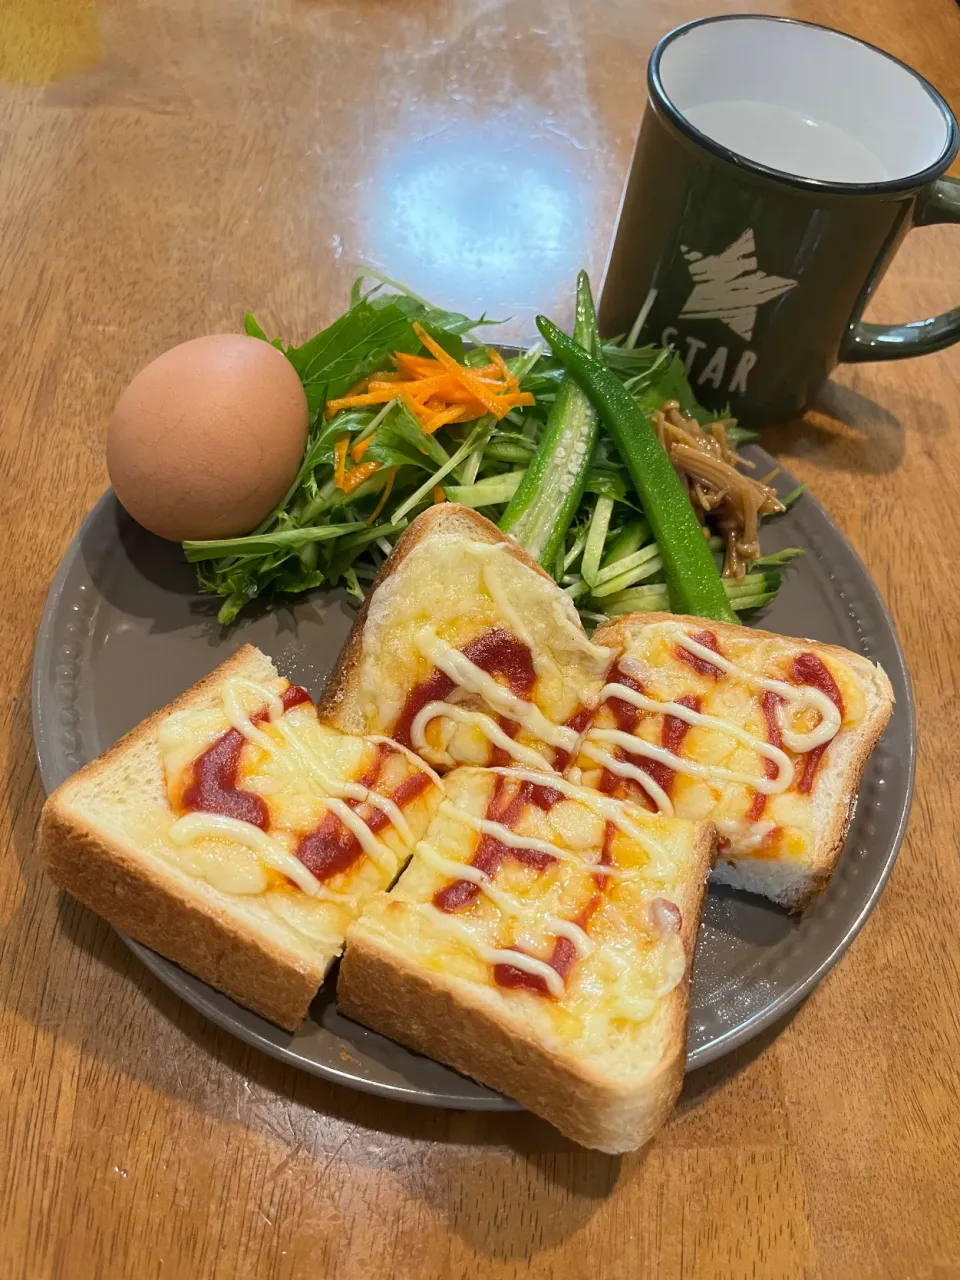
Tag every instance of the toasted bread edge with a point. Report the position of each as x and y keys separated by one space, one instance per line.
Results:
x=153 y=904
x=454 y=1022
x=800 y=883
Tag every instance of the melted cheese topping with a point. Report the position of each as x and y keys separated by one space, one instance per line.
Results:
x=628 y=953
x=622 y=769
x=301 y=770
x=624 y=817
x=448 y=591
x=509 y=904
x=796 y=697
x=311 y=760
x=419 y=765
x=725 y=757
x=201 y=826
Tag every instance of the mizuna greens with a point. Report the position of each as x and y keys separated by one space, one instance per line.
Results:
x=405 y=413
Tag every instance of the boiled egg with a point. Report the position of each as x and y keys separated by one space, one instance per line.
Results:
x=207 y=439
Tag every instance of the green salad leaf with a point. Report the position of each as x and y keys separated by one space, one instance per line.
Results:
x=400 y=441
x=324 y=536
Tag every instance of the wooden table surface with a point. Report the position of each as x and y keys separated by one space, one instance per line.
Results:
x=167 y=165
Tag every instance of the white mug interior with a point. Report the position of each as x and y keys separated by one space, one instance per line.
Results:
x=804 y=100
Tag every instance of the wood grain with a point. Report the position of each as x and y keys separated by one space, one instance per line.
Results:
x=165 y=166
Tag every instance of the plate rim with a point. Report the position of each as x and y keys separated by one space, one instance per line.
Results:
x=722 y=1045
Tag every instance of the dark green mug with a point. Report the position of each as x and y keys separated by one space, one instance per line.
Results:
x=778 y=167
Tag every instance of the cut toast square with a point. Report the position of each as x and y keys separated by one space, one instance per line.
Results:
x=236 y=835
x=467 y=651
x=765 y=735
x=540 y=941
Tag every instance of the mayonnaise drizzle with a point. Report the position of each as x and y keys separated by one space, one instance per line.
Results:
x=563 y=609
x=624 y=770
x=196 y=826
x=509 y=837
x=215 y=826
x=748 y=835
x=798 y=696
x=692 y=768
x=469 y=676
x=238 y=716
x=606 y=806
x=494 y=955
x=413 y=758
x=638 y=746
x=473 y=679
x=335 y=791
x=508 y=904
x=478 y=719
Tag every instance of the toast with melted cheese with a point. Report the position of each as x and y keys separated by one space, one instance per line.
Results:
x=466 y=651
x=541 y=941
x=764 y=735
x=236 y=835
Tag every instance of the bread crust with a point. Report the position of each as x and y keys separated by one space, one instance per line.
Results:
x=339 y=705
x=794 y=884
x=463 y=1024
x=161 y=911
x=172 y=913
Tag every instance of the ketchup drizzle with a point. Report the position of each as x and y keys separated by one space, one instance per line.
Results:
x=498 y=652
x=577 y=722
x=213 y=782
x=500 y=757
x=626 y=716
x=672 y=733
x=770 y=703
x=701 y=665
x=332 y=847
x=490 y=852
x=807 y=669
x=564 y=954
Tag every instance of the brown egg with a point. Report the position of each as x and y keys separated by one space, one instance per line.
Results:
x=207 y=439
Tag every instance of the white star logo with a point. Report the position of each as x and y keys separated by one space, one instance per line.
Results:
x=728 y=287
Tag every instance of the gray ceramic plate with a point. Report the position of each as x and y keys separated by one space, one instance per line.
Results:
x=124 y=631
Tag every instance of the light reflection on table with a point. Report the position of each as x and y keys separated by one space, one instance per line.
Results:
x=494 y=216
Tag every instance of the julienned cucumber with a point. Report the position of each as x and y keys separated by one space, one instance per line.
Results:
x=756 y=590
x=693 y=580
x=547 y=499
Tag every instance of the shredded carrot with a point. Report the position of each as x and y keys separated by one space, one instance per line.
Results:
x=501 y=365
x=442 y=417
x=428 y=386
x=391 y=476
x=413 y=404
x=357 y=388
x=360 y=448
x=416 y=366
x=340 y=460
x=355 y=478
x=471 y=383
x=355 y=402
x=437 y=389
x=426 y=367
x=439 y=495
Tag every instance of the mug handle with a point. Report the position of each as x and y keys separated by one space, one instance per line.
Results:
x=939 y=202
